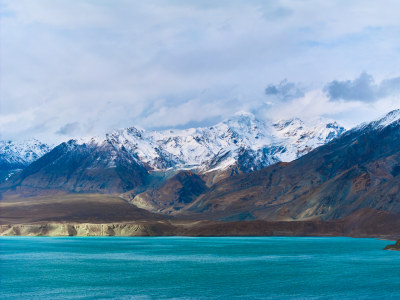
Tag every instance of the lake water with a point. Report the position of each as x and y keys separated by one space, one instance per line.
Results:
x=197 y=268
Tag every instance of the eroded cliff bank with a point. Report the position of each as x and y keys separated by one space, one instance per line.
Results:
x=191 y=228
x=86 y=229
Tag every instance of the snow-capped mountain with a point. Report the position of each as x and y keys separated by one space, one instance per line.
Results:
x=356 y=175
x=243 y=140
x=17 y=155
x=121 y=160
x=391 y=118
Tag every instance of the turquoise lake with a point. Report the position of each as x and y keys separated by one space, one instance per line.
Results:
x=197 y=268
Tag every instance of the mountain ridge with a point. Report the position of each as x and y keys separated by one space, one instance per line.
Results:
x=358 y=170
x=243 y=143
x=348 y=186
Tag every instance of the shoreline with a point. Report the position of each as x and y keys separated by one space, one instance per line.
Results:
x=189 y=229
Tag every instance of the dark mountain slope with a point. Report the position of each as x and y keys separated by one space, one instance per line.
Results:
x=174 y=194
x=81 y=168
x=358 y=170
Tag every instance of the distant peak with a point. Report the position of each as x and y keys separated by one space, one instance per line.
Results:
x=87 y=140
x=388 y=119
x=280 y=124
x=333 y=124
x=135 y=131
x=243 y=113
x=394 y=114
x=241 y=117
x=30 y=141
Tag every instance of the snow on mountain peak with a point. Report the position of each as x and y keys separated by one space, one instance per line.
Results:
x=241 y=138
x=15 y=155
x=388 y=119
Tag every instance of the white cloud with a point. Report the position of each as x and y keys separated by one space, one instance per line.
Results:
x=114 y=64
x=316 y=103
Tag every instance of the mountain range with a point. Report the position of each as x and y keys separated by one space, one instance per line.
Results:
x=242 y=169
x=358 y=170
x=242 y=143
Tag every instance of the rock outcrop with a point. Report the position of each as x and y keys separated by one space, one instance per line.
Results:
x=395 y=247
x=88 y=229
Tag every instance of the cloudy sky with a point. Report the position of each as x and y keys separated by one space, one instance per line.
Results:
x=79 y=68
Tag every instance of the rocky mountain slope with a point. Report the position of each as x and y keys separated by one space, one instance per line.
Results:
x=174 y=194
x=243 y=140
x=126 y=159
x=361 y=169
x=84 y=167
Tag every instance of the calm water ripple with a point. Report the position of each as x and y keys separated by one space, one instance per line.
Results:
x=197 y=268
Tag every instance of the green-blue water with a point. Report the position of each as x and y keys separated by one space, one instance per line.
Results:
x=193 y=268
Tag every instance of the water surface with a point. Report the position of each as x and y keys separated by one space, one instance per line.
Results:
x=193 y=268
